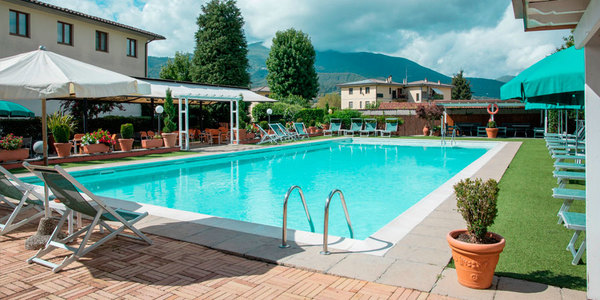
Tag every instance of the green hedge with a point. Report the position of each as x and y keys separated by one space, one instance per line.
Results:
x=113 y=123
x=310 y=115
x=22 y=127
x=345 y=115
x=281 y=111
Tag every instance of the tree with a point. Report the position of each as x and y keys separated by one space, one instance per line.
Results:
x=462 y=87
x=221 y=50
x=170 y=113
x=331 y=100
x=569 y=42
x=179 y=68
x=291 y=65
x=430 y=113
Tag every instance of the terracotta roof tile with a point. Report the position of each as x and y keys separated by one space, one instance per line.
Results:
x=398 y=105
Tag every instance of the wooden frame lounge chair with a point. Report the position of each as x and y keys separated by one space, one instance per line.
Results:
x=69 y=191
x=13 y=188
x=301 y=130
x=370 y=127
x=574 y=221
x=391 y=125
x=335 y=125
x=356 y=125
x=265 y=137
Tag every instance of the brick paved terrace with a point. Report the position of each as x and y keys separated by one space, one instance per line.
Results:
x=171 y=269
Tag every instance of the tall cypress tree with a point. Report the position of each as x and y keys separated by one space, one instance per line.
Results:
x=462 y=87
x=221 y=50
x=291 y=65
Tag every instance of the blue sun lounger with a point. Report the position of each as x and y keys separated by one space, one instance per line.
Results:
x=391 y=125
x=575 y=221
x=335 y=125
x=356 y=125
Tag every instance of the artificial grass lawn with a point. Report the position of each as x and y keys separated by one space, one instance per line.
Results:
x=535 y=244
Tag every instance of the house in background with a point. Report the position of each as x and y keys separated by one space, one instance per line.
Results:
x=27 y=24
x=361 y=94
x=262 y=90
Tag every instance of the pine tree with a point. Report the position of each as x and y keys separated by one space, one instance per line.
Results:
x=462 y=87
x=170 y=113
x=221 y=50
x=291 y=66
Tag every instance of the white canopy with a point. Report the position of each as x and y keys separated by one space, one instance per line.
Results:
x=42 y=74
x=200 y=92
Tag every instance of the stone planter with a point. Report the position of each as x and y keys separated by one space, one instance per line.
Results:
x=152 y=143
x=126 y=144
x=491 y=132
x=9 y=155
x=63 y=149
x=95 y=148
x=170 y=139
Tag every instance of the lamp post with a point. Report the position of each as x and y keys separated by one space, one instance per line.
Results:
x=269 y=112
x=159 y=110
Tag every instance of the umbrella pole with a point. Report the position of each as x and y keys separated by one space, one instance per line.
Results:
x=45 y=151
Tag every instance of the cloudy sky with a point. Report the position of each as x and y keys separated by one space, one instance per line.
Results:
x=481 y=37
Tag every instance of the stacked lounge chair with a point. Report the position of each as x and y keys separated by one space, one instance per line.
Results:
x=266 y=137
x=301 y=130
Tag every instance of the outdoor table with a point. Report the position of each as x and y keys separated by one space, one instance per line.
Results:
x=521 y=128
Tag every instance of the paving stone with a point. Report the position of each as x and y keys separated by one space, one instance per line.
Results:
x=311 y=259
x=272 y=252
x=362 y=266
x=421 y=255
x=568 y=294
x=411 y=275
x=515 y=289
x=245 y=242
x=211 y=237
x=448 y=285
x=424 y=241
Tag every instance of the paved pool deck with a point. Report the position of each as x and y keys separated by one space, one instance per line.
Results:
x=417 y=261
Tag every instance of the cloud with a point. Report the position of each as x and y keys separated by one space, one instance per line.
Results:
x=481 y=37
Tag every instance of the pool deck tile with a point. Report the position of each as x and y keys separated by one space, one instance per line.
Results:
x=310 y=259
x=515 y=289
x=362 y=266
x=409 y=274
x=448 y=285
x=436 y=257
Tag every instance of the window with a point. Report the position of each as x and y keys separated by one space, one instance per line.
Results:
x=18 y=23
x=390 y=91
x=361 y=90
x=131 y=47
x=350 y=104
x=366 y=104
x=101 y=41
x=359 y=104
x=350 y=90
x=64 y=33
x=418 y=95
x=367 y=90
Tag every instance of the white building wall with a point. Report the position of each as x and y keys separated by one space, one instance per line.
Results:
x=357 y=98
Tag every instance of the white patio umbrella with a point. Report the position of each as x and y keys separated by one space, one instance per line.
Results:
x=42 y=74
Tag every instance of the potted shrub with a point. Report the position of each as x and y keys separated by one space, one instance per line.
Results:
x=491 y=130
x=168 y=136
x=61 y=133
x=154 y=142
x=430 y=113
x=10 y=148
x=126 y=140
x=475 y=250
x=97 y=141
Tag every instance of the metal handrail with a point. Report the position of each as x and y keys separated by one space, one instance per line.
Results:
x=326 y=219
x=284 y=227
x=453 y=140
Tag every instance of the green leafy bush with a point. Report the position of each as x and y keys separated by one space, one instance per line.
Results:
x=344 y=115
x=127 y=131
x=310 y=114
x=284 y=111
x=170 y=113
x=492 y=124
x=476 y=201
x=61 y=133
x=264 y=125
x=59 y=118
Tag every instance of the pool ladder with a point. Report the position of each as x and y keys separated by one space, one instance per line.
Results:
x=312 y=228
x=452 y=140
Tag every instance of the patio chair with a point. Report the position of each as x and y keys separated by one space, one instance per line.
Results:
x=575 y=221
x=301 y=130
x=335 y=126
x=370 y=127
x=13 y=188
x=279 y=132
x=391 y=125
x=356 y=125
x=265 y=137
x=69 y=191
x=292 y=134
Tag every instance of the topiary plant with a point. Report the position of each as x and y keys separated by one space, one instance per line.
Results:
x=491 y=124
x=170 y=113
x=61 y=133
x=476 y=202
x=264 y=125
x=127 y=131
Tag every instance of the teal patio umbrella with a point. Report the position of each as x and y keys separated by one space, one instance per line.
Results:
x=556 y=79
x=10 y=109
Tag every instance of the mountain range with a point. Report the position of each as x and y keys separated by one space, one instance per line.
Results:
x=335 y=67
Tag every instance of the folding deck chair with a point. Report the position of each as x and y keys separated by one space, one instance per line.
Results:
x=265 y=137
x=335 y=126
x=391 y=125
x=13 y=188
x=370 y=127
x=69 y=191
x=279 y=132
x=301 y=130
x=574 y=221
x=356 y=125
x=291 y=135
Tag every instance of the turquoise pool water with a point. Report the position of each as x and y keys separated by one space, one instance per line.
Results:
x=379 y=183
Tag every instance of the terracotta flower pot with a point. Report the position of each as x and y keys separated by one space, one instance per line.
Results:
x=425 y=131
x=170 y=139
x=491 y=132
x=325 y=126
x=19 y=154
x=312 y=129
x=152 y=143
x=475 y=263
x=63 y=149
x=95 y=148
x=126 y=144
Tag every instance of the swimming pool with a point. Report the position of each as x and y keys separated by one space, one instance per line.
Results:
x=379 y=180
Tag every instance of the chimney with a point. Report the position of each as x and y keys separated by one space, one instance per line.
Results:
x=439 y=82
x=389 y=79
x=425 y=79
x=404 y=81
